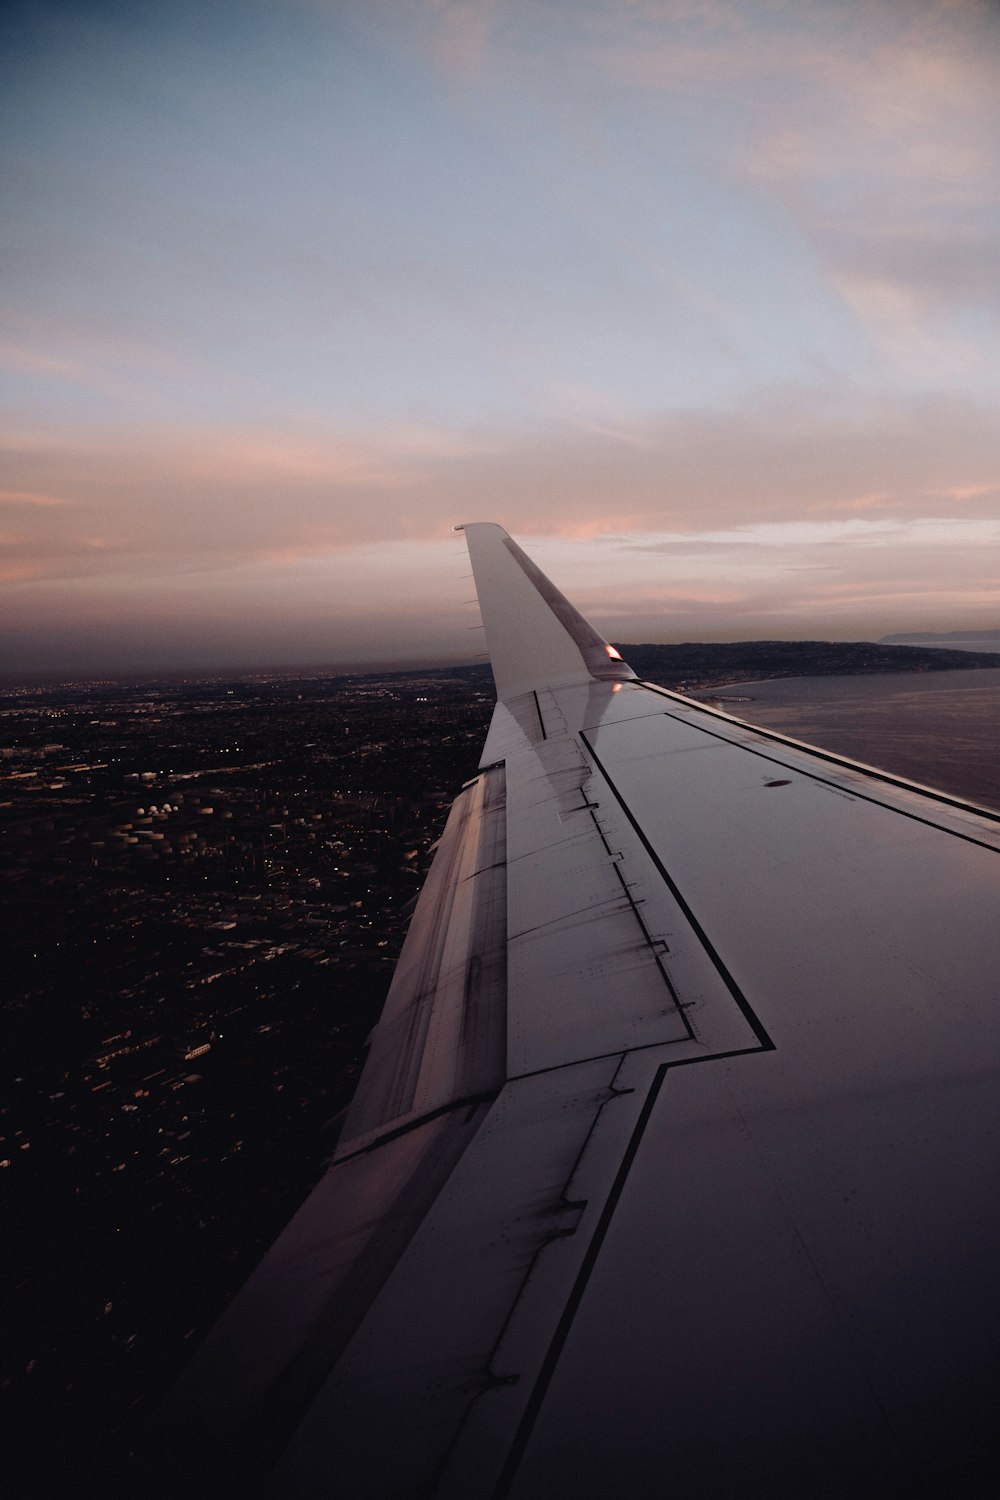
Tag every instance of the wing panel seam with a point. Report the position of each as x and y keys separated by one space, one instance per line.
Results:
x=756 y=1025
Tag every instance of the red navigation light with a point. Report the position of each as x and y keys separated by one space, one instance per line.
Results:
x=615 y=655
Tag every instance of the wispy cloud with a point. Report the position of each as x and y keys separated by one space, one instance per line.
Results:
x=22 y=359
x=460 y=32
x=105 y=356
x=30 y=497
x=880 y=138
x=182 y=497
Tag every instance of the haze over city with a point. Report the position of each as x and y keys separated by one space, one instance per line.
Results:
x=698 y=298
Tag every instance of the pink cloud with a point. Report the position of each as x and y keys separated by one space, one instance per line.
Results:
x=90 y=353
x=30 y=497
x=460 y=32
x=878 y=139
x=180 y=499
x=34 y=361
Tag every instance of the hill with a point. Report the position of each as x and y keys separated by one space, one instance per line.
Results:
x=705 y=664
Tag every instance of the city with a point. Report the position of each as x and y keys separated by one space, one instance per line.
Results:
x=207 y=886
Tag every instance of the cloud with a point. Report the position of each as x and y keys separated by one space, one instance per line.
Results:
x=681 y=269
x=19 y=358
x=874 y=129
x=877 y=131
x=460 y=32
x=106 y=356
x=182 y=499
x=29 y=497
x=726 y=526
x=807 y=580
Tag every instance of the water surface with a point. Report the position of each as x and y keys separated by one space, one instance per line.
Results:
x=940 y=728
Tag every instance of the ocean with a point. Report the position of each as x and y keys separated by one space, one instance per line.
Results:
x=941 y=729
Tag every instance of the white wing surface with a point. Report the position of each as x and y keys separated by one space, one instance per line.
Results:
x=674 y=1166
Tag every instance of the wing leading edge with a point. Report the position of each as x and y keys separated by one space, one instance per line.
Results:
x=552 y=1255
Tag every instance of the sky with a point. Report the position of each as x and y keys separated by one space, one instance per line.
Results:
x=699 y=298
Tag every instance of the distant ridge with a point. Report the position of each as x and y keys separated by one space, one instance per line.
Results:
x=927 y=637
x=690 y=663
x=704 y=664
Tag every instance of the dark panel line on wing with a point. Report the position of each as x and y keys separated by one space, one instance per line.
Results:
x=473 y=1101
x=554 y=1352
x=574 y=1062
x=656 y=957
x=593 y=806
x=538 y=711
x=555 y=1348
x=571 y=918
x=491 y=1377
x=851 y=790
x=470 y=1101
x=271 y=1423
x=946 y=798
x=680 y=1062
x=613 y=1093
x=651 y=941
x=741 y=1000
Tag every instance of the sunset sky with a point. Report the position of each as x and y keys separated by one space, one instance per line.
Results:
x=699 y=298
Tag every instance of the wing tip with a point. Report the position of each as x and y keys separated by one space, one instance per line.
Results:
x=535 y=637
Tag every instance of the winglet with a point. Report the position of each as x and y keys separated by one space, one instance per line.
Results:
x=535 y=638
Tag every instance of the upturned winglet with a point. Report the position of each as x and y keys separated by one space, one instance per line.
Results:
x=534 y=636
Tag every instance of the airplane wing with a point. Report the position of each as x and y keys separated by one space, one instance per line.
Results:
x=673 y=1167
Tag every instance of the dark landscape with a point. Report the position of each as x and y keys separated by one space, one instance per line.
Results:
x=206 y=886
x=696 y=664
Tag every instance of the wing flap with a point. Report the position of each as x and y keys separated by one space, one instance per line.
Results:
x=442 y=1034
x=465 y=1320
